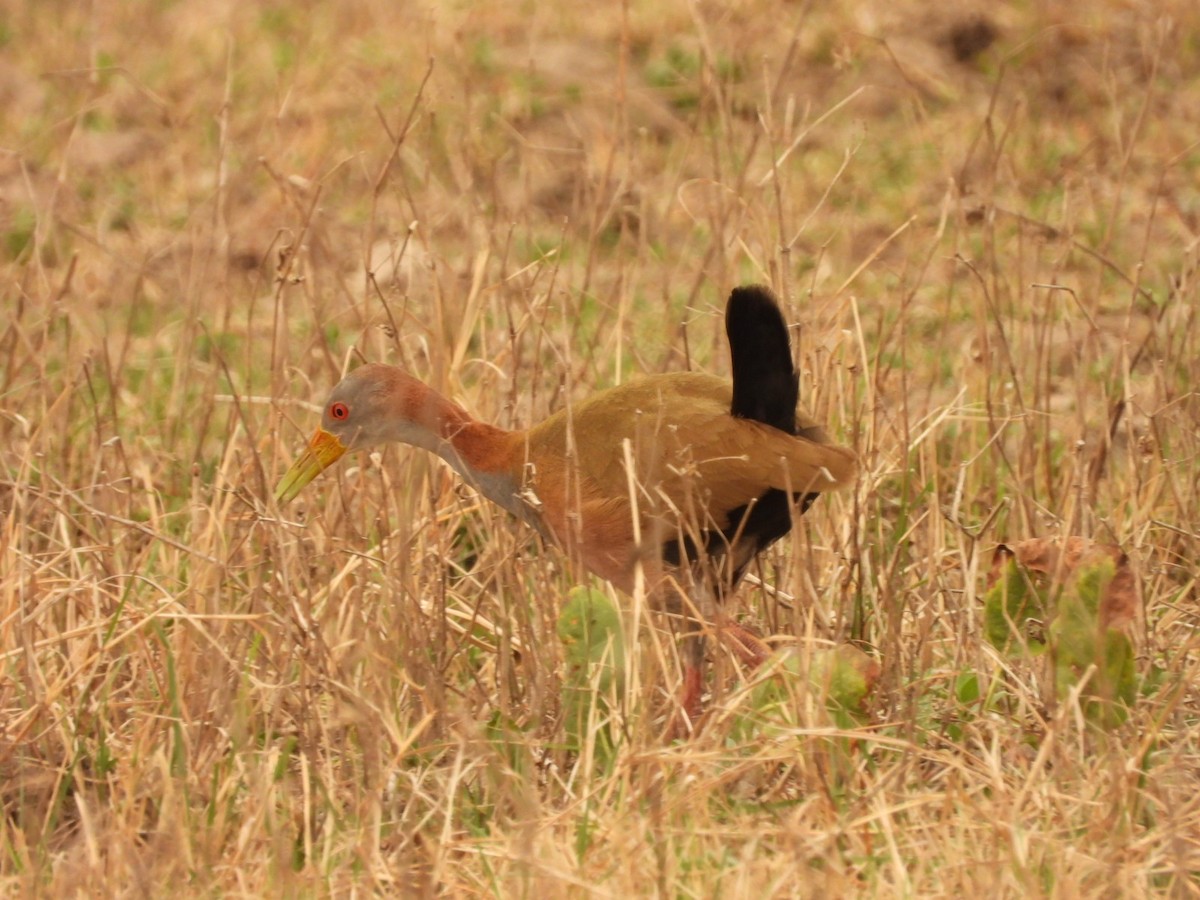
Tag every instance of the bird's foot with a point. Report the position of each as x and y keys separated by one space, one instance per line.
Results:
x=745 y=643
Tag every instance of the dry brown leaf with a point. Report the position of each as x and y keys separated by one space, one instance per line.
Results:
x=1120 y=604
x=1060 y=559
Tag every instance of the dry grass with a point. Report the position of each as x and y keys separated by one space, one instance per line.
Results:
x=986 y=229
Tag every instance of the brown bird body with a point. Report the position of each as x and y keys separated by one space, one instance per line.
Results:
x=660 y=474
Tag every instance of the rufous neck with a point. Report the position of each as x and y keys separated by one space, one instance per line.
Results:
x=487 y=457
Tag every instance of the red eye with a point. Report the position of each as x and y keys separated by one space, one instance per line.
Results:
x=339 y=411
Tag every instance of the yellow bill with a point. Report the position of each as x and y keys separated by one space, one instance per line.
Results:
x=323 y=451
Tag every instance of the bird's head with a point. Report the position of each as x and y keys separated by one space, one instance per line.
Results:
x=373 y=404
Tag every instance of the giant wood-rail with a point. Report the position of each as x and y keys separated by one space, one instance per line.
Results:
x=682 y=476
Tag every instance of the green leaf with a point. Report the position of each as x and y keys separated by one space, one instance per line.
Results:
x=1081 y=643
x=590 y=628
x=840 y=676
x=1013 y=612
x=966 y=688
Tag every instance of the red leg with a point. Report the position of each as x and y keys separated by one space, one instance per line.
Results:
x=686 y=717
x=692 y=695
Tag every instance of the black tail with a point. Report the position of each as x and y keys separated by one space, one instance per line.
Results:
x=766 y=389
x=765 y=386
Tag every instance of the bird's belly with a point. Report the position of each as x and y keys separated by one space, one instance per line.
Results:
x=604 y=541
